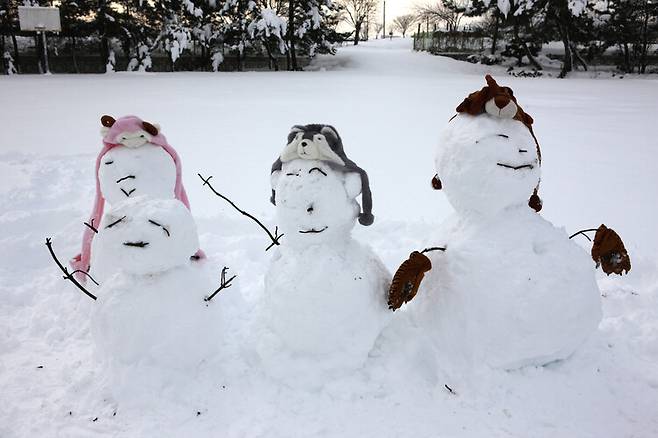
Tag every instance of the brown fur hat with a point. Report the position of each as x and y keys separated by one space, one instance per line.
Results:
x=499 y=102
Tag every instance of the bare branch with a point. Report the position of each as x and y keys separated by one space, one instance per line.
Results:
x=274 y=238
x=223 y=284
x=67 y=275
x=583 y=233
x=91 y=226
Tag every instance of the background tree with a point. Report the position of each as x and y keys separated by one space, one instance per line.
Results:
x=358 y=12
x=403 y=22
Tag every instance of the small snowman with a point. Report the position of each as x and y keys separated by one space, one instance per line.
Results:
x=504 y=287
x=135 y=161
x=325 y=293
x=151 y=320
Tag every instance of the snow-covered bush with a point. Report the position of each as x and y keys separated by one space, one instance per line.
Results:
x=9 y=63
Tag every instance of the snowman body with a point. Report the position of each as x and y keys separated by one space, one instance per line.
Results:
x=325 y=293
x=150 y=313
x=511 y=289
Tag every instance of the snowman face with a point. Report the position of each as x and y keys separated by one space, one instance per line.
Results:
x=487 y=164
x=128 y=172
x=145 y=236
x=315 y=203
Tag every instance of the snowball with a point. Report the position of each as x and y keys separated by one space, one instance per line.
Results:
x=510 y=290
x=144 y=236
x=473 y=162
x=128 y=172
x=313 y=205
x=150 y=331
x=325 y=293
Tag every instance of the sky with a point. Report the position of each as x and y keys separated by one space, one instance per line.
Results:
x=395 y=8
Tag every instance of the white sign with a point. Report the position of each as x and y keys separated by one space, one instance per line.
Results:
x=39 y=18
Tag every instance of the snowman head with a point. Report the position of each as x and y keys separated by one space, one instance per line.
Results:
x=146 y=236
x=125 y=173
x=316 y=203
x=129 y=131
x=487 y=163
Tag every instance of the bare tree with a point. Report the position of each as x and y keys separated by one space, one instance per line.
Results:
x=378 y=26
x=357 y=12
x=403 y=23
x=448 y=12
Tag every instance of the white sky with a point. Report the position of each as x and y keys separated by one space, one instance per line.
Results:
x=395 y=8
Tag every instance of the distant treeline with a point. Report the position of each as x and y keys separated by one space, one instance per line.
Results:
x=586 y=28
x=170 y=35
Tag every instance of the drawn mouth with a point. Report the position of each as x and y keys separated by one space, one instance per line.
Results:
x=313 y=231
x=523 y=166
x=136 y=244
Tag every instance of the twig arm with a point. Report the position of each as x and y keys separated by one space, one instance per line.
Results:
x=224 y=284
x=583 y=233
x=274 y=238
x=67 y=275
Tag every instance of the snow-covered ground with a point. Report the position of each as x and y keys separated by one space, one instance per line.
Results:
x=389 y=105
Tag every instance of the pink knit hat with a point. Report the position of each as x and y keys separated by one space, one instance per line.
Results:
x=131 y=124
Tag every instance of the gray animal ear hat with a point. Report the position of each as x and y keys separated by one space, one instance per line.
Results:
x=322 y=142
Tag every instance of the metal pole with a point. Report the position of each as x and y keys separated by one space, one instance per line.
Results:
x=384 y=22
x=45 y=53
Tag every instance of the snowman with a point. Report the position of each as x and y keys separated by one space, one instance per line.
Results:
x=503 y=286
x=136 y=160
x=152 y=319
x=325 y=293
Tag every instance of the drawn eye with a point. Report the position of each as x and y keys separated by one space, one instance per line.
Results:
x=161 y=226
x=318 y=169
x=292 y=174
x=115 y=222
x=109 y=162
x=142 y=135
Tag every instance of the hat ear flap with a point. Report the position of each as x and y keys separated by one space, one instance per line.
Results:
x=535 y=201
x=436 y=182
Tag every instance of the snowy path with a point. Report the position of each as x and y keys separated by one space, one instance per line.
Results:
x=389 y=104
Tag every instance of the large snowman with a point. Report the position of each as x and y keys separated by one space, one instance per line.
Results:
x=510 y=289
x=151 y=321
x=136 y=160
x=325 y=293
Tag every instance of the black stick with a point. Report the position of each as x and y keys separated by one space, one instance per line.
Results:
x=68 y=276
x=583 y=233
x=274 y=238
x=86 y=274
x=91 y=226
x=434 y=248
x=223 y=284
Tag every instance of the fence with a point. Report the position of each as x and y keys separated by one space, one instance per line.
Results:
x=87 y=59
x=451 y=42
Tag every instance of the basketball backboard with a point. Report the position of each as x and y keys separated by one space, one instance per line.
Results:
x=39 y=18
